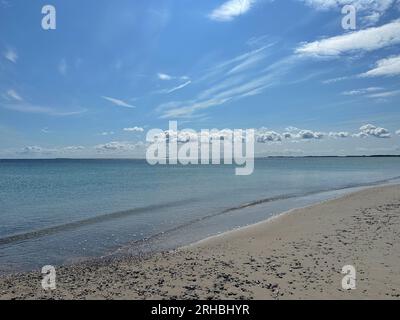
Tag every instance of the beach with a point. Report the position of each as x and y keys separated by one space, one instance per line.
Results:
x=296 y=255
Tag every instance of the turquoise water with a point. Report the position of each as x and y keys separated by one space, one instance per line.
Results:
x=61 y=211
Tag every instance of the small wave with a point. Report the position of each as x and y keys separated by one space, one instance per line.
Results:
x=123 y=214
x=84 y=222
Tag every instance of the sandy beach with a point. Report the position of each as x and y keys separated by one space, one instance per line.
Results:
x=297 y=255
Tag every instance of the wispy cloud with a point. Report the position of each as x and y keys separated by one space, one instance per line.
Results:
x=363 y=40
x=233 y=79
x=181 y=86
x=385 y=67
x=118 y=102
x=29 y=108
x=14 y=95
x=385 y=94
x=361 y=91
x=11 y=55
x=231 y=9
x=334 y=80
x=218 y=95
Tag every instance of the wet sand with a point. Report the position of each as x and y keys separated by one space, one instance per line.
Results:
x=297 y=255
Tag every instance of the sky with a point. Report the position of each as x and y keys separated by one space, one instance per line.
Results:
x=113 y=70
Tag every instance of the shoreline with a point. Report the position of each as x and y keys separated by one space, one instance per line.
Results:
x=291 y=211
x=297 y=254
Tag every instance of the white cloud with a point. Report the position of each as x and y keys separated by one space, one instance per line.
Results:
x=334 y=80
x=308 y=134
x=363 y=40
x=14 y=95
x=370 y=130
x=37 y=150
x=361 y=91
x=29 y=108
x=295 y=133
x=339 y=134
x=116 y=146
x=231 y=9
x=164 y=76
x=11 y=55
x=398 y=132
x=181 y=86
x=63 y=67
x=118 y=102
x=265 y=136
x=134 y=129
x=385 y=67
x=385 y=94
x=217 y=95
x=107 y=133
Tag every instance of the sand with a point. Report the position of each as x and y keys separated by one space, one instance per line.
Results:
x=297 y=255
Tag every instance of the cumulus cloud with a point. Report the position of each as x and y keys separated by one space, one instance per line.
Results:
x=342 y=134
x=363 y=40
x=385 y=67
x=265 y=136
x=116 y=146
x=231 y=9
x=11 y=55
x=295 y=133
x=118 y=102
x=203 y=136
x=370 y=130
x=398 y=132
x=134 y=129
x=37 y=150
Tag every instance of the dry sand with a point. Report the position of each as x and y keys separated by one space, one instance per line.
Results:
x=298 y=255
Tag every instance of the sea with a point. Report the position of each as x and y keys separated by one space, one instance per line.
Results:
x=62 y=211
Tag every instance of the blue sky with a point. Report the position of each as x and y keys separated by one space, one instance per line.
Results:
x=112 y=70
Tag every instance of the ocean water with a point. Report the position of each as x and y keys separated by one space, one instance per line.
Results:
x=63 y=211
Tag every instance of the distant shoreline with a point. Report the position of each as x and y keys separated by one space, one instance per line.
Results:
x=256 y=158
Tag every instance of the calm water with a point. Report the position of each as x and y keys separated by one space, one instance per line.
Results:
x=60 y=211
